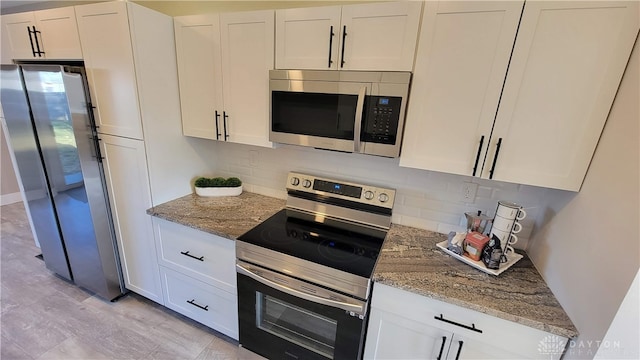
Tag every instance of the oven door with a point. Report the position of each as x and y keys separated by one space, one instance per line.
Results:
x=321 y=114
x=278 y=320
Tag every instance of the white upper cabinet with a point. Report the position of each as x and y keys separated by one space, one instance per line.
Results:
x=462 y=59
x=46 y=34
x=200 y=74
x=17 y=37
x=223 y=66
x=247 y=41
x=108 y=58
x=308 y=38
x=379 y=36
x=566 y=64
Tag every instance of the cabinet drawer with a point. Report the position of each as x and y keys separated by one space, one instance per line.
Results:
x=204 y=303
x=504 y=334
x=205 y=257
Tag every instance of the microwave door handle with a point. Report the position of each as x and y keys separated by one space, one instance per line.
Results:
x=359 y=309
x=357 y=128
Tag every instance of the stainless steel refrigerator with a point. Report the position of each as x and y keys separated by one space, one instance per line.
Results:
x=54 y=140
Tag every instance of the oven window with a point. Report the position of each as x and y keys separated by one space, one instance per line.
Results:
x=295 y=324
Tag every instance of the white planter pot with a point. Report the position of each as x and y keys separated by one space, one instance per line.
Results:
x=219 y=191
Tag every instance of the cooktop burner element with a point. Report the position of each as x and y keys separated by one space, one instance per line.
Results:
x=330 y=233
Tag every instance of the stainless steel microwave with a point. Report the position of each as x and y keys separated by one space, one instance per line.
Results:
x=350 y=111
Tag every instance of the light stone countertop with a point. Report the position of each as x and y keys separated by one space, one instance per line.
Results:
x=409 y=260
x=226 y=216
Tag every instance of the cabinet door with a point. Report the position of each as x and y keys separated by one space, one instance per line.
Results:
x=461 y=63
x=200 y=75
x=108 y=57
x=15 y=36
x=410 y=317
x=390 y=336
x=247 y=56
x=567 y=64
x=59 y=33
x=308 y=38
x=379 y=36
x=127 y=179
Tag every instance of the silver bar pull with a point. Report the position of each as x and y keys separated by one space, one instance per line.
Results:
x=357 y=128
x=359 y=309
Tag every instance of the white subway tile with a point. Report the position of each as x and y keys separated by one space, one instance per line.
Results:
x=424 y=199
x=446 y=228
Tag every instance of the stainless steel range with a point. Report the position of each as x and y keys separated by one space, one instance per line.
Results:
x=304 y=274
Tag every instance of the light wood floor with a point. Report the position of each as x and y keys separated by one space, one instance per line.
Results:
x=45 y=317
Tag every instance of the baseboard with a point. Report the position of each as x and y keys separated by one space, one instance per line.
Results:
x=12 y=198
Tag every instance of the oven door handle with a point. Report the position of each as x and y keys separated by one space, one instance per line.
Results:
x=358 y=309
x=357 y=128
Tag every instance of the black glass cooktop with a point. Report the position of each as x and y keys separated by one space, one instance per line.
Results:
x=351 y=251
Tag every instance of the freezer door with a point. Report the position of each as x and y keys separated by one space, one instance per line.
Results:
x=31 y=172
x=72 y=163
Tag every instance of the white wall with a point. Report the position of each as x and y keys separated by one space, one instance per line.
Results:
x=625 y=328
x=587 y=247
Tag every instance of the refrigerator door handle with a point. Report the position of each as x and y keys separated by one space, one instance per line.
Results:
x=95 y=152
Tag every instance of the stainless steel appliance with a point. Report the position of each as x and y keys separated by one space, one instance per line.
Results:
x=53 y=138
x=351 y=111
x=304 y=274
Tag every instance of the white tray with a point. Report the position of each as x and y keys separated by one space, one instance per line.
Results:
x=511 y=259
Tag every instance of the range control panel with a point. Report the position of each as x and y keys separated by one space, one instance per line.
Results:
x=365 y=194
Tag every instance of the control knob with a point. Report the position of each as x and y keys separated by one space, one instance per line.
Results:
x=368 y=195
x=295 y=181
x=306 y=183
x=383 y=197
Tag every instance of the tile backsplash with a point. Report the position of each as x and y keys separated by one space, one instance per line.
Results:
x=424 y=199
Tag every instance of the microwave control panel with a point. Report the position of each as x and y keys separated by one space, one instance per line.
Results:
x=381 y=119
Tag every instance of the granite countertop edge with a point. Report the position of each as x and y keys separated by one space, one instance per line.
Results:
x=211 y=215
x=190 y=225
x=550 y=328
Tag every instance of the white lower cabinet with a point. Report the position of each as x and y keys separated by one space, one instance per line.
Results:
x=125 y=166
x=201 y=302
x=198 y=275
x=404 y=325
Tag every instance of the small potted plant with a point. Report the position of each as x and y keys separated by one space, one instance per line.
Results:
x=218 y=186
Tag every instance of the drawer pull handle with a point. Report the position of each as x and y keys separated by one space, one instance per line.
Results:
x=186 y=253
x=444 y=340
x=472 y=327
x=193 y=302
